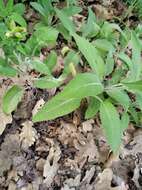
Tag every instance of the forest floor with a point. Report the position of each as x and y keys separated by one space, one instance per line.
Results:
x=68 y=153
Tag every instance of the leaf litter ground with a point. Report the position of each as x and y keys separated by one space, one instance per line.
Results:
x=67 y=153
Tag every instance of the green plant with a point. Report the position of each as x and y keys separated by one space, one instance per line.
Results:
x=112 y=86
x=136 y=6
x=46 y=9
x=108 y=87
x=10 y=11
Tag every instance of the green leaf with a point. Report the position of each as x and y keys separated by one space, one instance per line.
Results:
x=11 y=99
x=9 y=6
x=72 y=10
x=72 y=57
x=83 y=85
x=136 y=55
x=18 y=19
x=48 y=82
x=111 y=124
x=19 y=8
x=134 y=115
x=37 y=41
x=139 y=100
x=51 y=60
x=93 y=108
x=56 y=107
x=133 y=86
x=125 y=121
x=49 y=35
x=40 y=67
x=67 y=23
x=91 y=28
x=38 y=8
x=109 y=66
x=1 y=5
x=91 y=54
x=7 y=71
x=103 y=45
x=120 y=96
x=126 y=60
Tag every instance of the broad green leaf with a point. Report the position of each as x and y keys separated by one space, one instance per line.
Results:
x=93 y=108
x=117 y=76
x=51 y=60
x=91 y=28
x=91 y=54
x=48 y=82
x=134 y=115
x=126 y=60
x=9 y=5
x=18 y=19
x=138 y=100
x=1 y=4
x=38 y=8
x=136 y=55
x=49 y=35
x=133 y=86
x=111 y=124
x=103 y=45
x=125 y=121
x=120 y=96
x=109 y=66
x=72 y=57
x=40 y=67
x=106 y=30
x=37 y=41
x=7 y=71
x=11 y=99
x=83 y=85
x=56 y=107
x=72 y=10
x=19 y=8
x=65 y=33
x=67 y=23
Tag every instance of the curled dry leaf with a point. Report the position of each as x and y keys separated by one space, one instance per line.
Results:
x=104 y=181
x=135 y=145
x=28 y=135
x=51 y=165
x=87 y=151
x=10 y=148
x=88 y=125
x=38 y=105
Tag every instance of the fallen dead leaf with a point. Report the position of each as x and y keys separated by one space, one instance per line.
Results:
x=10 y=148
x=28 y=135
x=87 y=125
x=51 y=165
x=38 y=105
x=102 y=12
x=104 y=181
x=12 y=186
x=87 y=151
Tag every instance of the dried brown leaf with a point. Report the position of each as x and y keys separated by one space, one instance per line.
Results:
x=51 y=165
x=38 y=105
x=28 y=135
x=9 y=149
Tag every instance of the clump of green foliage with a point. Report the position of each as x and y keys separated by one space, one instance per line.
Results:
x=112 y=87
x=136 y=6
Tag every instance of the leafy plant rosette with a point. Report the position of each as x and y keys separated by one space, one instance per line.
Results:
x=114 y=79
x=112 y=88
